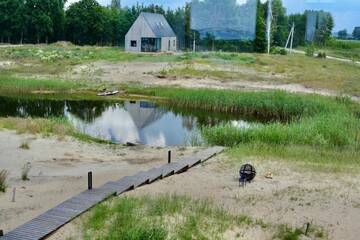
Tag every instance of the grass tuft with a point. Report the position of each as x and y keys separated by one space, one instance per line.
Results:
x=25 y=172
x=3 y=179
x=25 y=146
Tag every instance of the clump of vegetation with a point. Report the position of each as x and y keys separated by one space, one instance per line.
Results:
x=310 y=50
x=165 y=217
x=321 y=55
x=286 y=233
x=25 y=171
x=10 y=83
x=25 y=146
x=3 y=178
x=279 y=50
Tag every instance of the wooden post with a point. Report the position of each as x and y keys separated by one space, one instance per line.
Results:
x=13 y=196
x=1 y=233
x=169 y=157
x=89 y=180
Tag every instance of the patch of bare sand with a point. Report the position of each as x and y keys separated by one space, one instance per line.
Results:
x=293 y=197
x=59 y=171
x=146 y=73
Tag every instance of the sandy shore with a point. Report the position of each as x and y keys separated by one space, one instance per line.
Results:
x=59 y=171
x=294 y=197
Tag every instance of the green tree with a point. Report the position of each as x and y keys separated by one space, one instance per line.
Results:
x=325 y=25
x=343 y=34
x=356 y=33
x=85 y=22
x=280 y=24
x=260 y=38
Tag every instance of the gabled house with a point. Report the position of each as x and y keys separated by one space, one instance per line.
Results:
x=150 y=33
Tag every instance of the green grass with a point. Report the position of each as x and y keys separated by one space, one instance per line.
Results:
x=323 y=123
x=303 y=157
x=9 y=83
x=272 y=105
x=169 y=217
x=166 y=217
x=59 y=127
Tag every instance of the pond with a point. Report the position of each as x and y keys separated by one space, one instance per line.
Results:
x=141 y=122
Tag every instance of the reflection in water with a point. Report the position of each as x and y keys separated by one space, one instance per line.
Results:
x=130 y=121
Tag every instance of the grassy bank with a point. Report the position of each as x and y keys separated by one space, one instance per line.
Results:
x=172 y=217
x=58 y=127
x=292 y=119
x=10 y=83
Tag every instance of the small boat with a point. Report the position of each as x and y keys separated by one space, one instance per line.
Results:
x=110 y=93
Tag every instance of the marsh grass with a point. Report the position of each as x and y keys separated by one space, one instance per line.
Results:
x=3 y=180
x=164 y=217
x=9 y=83
x=272 y=105
x=303 y=157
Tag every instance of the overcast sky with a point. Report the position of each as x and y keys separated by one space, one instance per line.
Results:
x=345 y=12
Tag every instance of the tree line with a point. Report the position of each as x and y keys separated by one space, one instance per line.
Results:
x=88 y=23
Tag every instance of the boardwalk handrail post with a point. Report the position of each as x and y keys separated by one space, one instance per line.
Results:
x=89 y=180
x=169 y=157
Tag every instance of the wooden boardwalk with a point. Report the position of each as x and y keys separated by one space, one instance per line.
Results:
x=50 y=221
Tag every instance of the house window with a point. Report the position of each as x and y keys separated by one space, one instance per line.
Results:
x=174 y=43
x=133 y=43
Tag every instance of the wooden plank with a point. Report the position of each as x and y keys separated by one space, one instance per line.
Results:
x=53 y=219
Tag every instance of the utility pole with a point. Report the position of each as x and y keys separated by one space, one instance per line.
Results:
x=268 y=26
x=194 y=43
x=290 y=38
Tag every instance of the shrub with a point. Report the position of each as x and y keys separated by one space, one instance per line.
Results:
x=3 y=178
x=310 y=50
x=321 y=55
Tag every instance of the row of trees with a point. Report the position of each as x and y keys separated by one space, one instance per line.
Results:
x=343 y=34
x=87 y=22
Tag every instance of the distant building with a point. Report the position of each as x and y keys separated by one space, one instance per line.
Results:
x=150 y=33
x=314 y=19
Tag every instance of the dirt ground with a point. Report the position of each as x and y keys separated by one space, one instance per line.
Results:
x=294 y=197
x=59 y=171
x=147 y=73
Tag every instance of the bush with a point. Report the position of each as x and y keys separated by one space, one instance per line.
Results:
x=321 y=55
x=3 y=178
x=310 y=50
x=279 y=51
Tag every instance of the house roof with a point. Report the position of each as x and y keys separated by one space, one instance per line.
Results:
x=158 y=24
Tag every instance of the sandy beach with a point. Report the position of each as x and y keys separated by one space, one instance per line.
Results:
x=59 y=171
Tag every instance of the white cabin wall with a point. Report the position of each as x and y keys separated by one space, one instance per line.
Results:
x=139 y=29
x=165 y=44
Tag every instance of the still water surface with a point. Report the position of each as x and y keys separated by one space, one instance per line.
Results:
x=140 y=122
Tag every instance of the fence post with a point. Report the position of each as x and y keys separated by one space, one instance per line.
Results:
x=89 y=180
x=13 y=195
x=169 y=157
x=1 y=233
